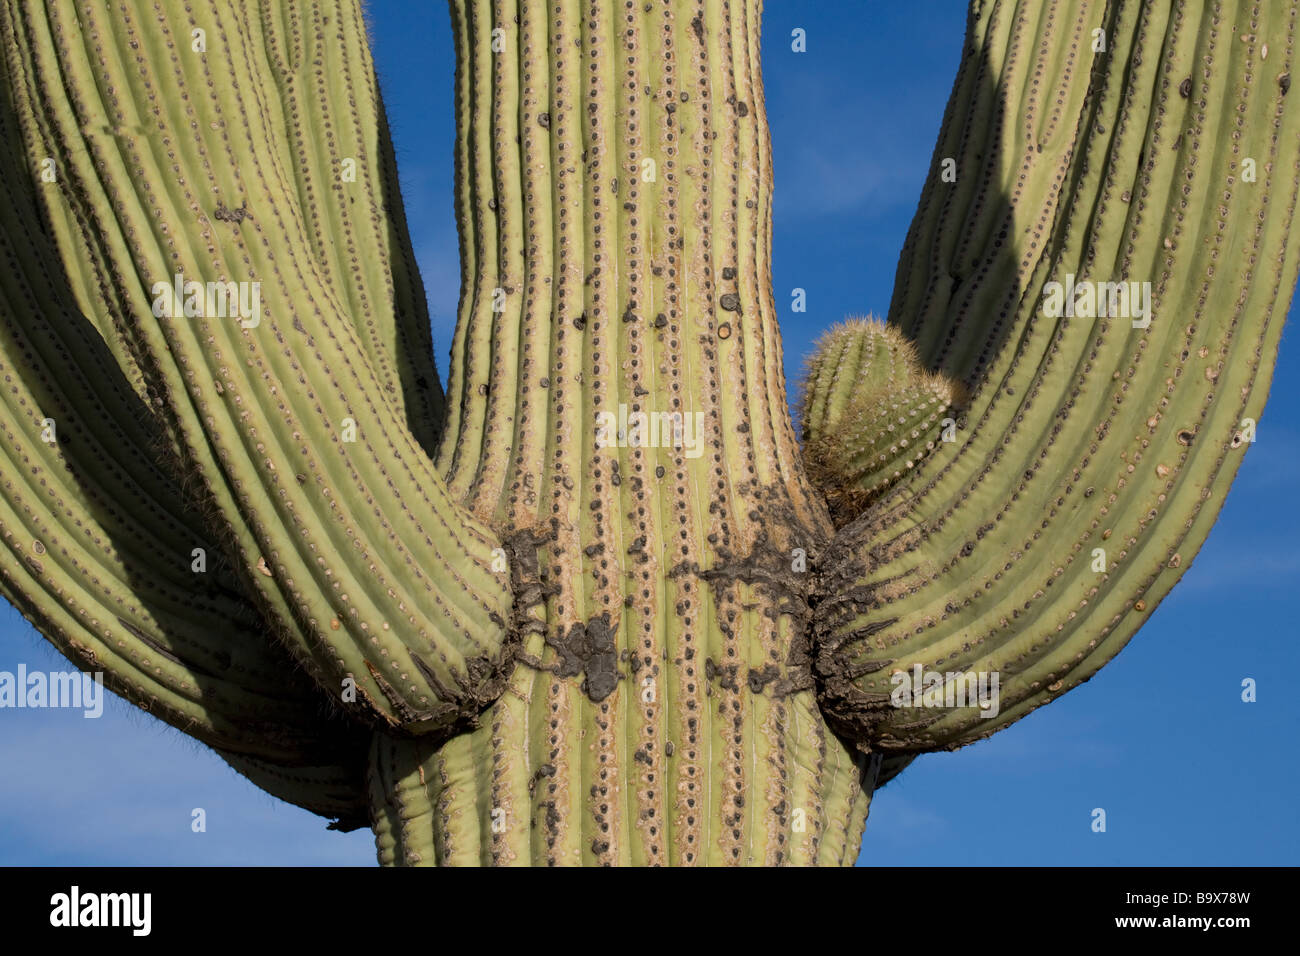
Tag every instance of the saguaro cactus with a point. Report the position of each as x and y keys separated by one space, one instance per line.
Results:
x=589 y=606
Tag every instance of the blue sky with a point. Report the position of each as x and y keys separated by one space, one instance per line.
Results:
x=1187 y=773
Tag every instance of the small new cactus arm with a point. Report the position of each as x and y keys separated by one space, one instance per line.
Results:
x=870 y=413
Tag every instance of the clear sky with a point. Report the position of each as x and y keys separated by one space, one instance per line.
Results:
x=1187 y=772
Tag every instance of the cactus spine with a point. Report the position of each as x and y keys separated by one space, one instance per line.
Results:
x=565 y=616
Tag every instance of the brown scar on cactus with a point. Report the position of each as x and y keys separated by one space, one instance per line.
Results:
x=224 y=213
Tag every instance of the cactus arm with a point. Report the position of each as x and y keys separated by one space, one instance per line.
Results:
x=99 y=542
x=1082 y=433
x=334 y=147
x=406 y=601
x=86 y=515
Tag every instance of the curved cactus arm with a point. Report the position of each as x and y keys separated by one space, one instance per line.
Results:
x=334 y=146
x=100 y=548
x=278 y=412
x=1099 y=440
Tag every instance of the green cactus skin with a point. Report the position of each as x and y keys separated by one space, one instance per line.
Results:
x=479 y=627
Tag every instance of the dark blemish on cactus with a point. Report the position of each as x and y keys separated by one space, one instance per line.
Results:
x=1185 y=437
x=545 y=770
x=1284 y=81
x=730 y=301
x=742 y=109
x=589 y=650
x=1185 y=88
x=728 y=273
x=38 y=547
x=629 y=315
x=724 y=330
x=660 y=320
x=697 y=25
x=544 y=120
x=724 y=674
x=224 y=214
x=760 y=679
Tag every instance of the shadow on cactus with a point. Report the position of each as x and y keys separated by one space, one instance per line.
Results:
x=594 y=604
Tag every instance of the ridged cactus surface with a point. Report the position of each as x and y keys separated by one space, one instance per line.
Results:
x=594 y=604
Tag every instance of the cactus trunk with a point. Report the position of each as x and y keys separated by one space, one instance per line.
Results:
x=614 y=190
